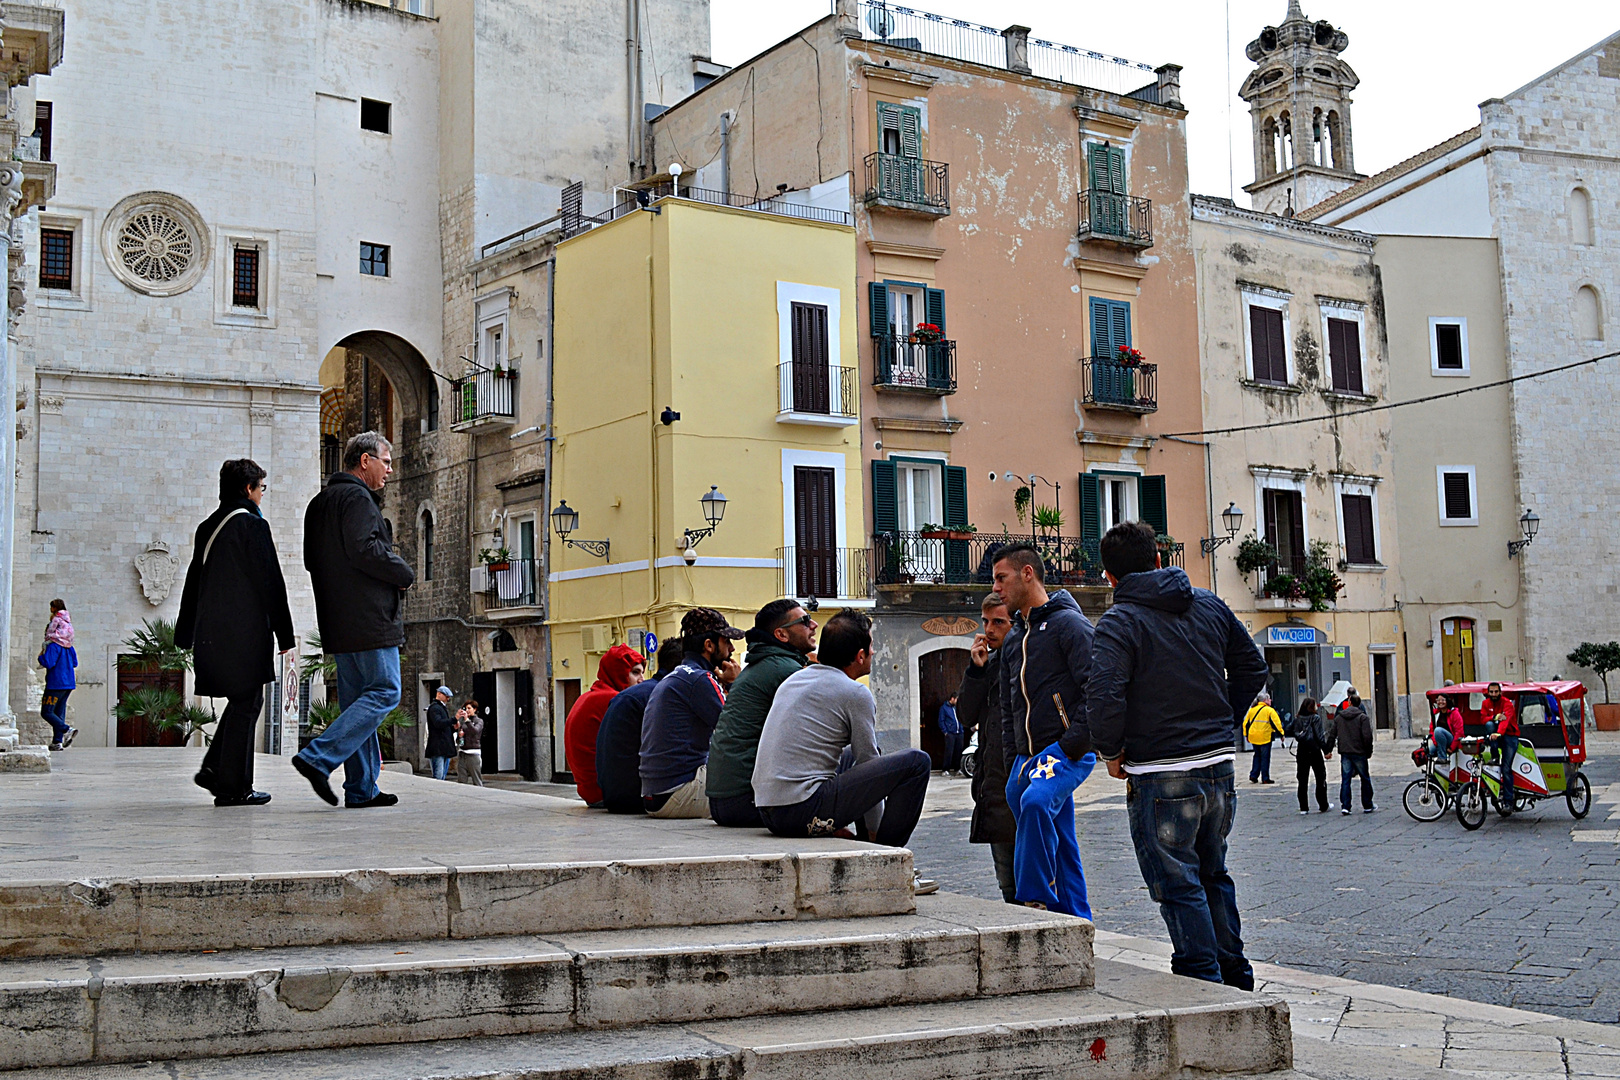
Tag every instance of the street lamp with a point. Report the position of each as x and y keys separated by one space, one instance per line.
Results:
x=1531 y=524
x=714 y=511
x=564 y=520
x=1232 y=521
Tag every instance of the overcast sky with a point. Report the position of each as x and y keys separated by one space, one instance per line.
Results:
x=1425 y=65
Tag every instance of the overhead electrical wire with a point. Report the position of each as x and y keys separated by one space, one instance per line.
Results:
x=1392 y=404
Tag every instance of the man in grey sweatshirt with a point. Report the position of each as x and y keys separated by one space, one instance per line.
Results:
x=816 y=714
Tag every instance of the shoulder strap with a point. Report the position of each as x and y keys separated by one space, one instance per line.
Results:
x=210 y=545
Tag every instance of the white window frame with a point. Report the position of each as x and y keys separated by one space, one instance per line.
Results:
x=1281 y=480
x=1252 y=296
x=1133 y=489
x=228 y=239
x=787 y=294
x=1359 y=485
x=816 y=459
x=1349 y=312
x=903 y=497
x=492 y=311
x=1459 y=321
x=1440 y=472
x=77 y=297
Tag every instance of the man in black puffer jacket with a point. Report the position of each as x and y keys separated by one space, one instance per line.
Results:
x=1172 y=669
x=1044 y=665
x=358 y=579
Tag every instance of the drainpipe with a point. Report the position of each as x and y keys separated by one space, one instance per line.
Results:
x=725 y=152
x=1209 y=494
x=545 y=546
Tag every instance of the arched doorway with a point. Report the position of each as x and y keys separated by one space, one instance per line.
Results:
x=374 y=380
x=939 y=673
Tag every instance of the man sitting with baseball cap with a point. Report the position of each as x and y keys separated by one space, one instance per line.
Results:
x=680 y=719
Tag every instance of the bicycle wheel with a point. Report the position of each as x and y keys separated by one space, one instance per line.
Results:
x=1579 y=796
x=1471 y=807
x=1424 y=799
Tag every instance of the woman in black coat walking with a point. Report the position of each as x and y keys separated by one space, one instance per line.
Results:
x=234 y=604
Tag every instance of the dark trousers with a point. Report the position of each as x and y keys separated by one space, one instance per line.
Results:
x=1260 y=769
x=53 y=710
x=1310 y=761
x=228 y=765
x=1510 y=753
x=1002 y=856
x=736 y=812
x=899 y=781
x=1351 y=765
x=1179 y=825
x=953 y=752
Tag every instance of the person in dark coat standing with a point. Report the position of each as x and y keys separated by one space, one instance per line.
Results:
x=233 y=604
x=978 y=705
x=441 y=739
x=359 y=594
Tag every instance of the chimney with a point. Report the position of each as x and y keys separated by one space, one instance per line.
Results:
x=1017 y=38
x=849 y=18
x=1169 y=85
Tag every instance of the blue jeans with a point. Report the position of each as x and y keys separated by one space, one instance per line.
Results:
x=1261 y=768
x=1509 y=754
x=1352 y=765
x=1179 y=825
x=1046 y=855
x=368 y=689
x=953 y=751
x=441 y=767
x=53 y=710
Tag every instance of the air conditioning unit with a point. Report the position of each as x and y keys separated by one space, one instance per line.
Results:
x=597 y=637
x=480 y=579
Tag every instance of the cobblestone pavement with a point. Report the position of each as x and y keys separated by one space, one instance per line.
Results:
x=1520 y=913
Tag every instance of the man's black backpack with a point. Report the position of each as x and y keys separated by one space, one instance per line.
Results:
x=1308 y=730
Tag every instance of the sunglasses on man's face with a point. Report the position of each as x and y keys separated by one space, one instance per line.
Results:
x=807 y=620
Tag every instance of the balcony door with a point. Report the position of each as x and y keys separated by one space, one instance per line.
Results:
x=812 y=375
x=815 y=529
x=900 y=135
x=1285 y=529
x=1106 y=171
x=898 y=309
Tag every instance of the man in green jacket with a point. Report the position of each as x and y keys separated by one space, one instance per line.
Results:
x=781 y=642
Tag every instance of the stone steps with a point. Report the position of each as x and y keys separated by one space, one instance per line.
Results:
x=102 y=916
x=1134 y=1023
x=67 y=1011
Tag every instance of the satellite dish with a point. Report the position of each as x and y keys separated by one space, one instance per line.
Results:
x=881 y=20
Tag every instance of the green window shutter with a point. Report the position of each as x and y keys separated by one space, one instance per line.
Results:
x=885 y=498
x=1097 y=163
x=1110 y=327
x=936 y=308
x=1116 y=170
x=1150 y=497
x=888 y=119
x=1090 y=507
x=1100 y=336
x=1119 y=323
x=956 y=508
x=878 y=294
x=910 y=130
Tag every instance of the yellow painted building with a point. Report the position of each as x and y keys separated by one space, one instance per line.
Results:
x=743 y=322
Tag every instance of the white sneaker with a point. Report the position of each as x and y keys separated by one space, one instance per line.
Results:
x=1304 y=813
x=921 y=886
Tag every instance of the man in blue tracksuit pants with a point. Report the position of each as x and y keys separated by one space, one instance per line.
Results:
x=1045 y=662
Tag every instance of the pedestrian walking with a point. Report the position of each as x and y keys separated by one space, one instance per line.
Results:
x=360 y=582
x=1171 y=669
x=1260 y=727
x=978 y=706
x=1353 y=737
x=950 y=726
x=233 y=616
x=58 y=657
x=1501 y=719
x=618 y=741
x=470 y=745
x=1046 y=663
x=441 y=733
x=621 y=668
x=1311 y=748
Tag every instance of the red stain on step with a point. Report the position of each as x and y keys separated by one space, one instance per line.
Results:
x=1099 y=1050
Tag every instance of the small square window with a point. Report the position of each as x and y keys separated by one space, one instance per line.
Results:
x=1459 y=502
x=56 y=258
x=374 y=259
x=1448 y=346
x=245 y=277
x=376 y=116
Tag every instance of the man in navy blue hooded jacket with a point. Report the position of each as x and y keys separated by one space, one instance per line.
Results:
x=1172 y=670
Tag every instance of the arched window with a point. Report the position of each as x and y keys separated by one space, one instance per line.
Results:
x=427 y=545
x=1319 y=151
x=1268 y=138
x=1335 y=135
x=1580 y=217
x=1588 y=314
x=1285 y=142
x=502 y=641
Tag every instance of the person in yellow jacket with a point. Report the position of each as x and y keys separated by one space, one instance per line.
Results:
x=1259 y=727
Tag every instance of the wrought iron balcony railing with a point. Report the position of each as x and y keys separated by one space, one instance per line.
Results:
x=818 y=390
x=515 y=585
x=923 y=367
x=484 y=398
x=823 y=573
x=908 y=183
x=1282 y=580
x=1122 y=219
x=900 y=558
x=1108 y=384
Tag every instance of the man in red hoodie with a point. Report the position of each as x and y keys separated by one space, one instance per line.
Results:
x=621 y=668
x=1500 y=710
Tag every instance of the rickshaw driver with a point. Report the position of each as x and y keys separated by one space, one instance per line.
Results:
x=1498 y=709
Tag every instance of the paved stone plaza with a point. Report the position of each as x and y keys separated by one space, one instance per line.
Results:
x=1519 y=913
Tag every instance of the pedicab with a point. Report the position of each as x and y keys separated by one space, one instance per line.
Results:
x=1552 y=749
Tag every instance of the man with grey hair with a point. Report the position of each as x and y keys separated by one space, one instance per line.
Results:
x=358 y=579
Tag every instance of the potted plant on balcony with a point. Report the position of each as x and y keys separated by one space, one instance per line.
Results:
x=1128 y=357
x=1285 y=587
x=1600 y=658
x=1254 y=554
x=927 y=334
x=930 y=531
x=496 y=559
x=1320 y=585
x=1048 y=519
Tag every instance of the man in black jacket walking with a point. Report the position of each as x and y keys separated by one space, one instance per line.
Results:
x=978 y=705
x=1046 y=660
x=441 y=734
x=233 y=607
x=359 y=582
x=1172 y=670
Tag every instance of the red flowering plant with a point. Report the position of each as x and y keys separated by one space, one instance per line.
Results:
x=927 y=333
x=1128 y=357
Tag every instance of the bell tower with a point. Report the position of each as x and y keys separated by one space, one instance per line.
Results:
x=1299 y=103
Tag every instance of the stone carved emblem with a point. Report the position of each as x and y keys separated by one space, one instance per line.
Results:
x=951 y=626
x=157 y=567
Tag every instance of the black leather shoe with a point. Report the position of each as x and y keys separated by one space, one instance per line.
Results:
x=382 y=798
x=252 y=798
x=322 y=787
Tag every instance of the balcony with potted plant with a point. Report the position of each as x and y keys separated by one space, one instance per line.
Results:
x=1121 y=381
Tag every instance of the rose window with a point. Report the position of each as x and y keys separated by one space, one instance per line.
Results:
x=155 y=247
